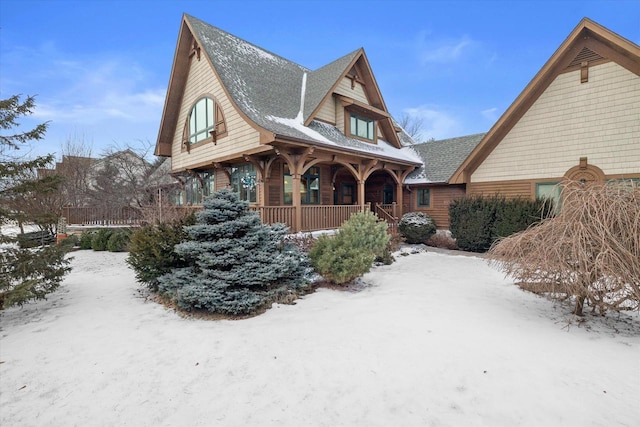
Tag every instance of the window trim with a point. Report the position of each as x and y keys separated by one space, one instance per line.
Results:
x=219 y=125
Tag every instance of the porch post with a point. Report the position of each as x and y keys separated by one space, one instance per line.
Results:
x=361 y=194
x=399 y=200
x=297 y=226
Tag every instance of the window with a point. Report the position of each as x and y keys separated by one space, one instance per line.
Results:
x=205 y=118
x=309 y=186
x=424 y=197
x=243 y=181
x=550 y=191
x=362 y=127
x=196 y=188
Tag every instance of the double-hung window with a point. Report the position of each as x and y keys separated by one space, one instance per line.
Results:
x=424 y=197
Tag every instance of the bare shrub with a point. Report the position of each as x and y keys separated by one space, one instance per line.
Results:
x=442 y=239
x=163 y=211
x=589 y=252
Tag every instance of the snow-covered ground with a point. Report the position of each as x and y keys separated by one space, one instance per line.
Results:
x=432 y=340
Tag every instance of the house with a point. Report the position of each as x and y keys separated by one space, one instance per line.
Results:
x=304 y=147
x=578 y=119
x=310 y=147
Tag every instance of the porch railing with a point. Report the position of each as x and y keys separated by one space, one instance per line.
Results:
x=273 y=214
x=389 y=214
x=327 y=217
x=314 y=218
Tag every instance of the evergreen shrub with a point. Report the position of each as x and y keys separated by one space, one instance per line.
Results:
x=119 y=240
x=478 y=221
x=151 y=252
x=86 y=238
x=235 y=264
x=350 y=253
x=100 y=239
x=416 y=227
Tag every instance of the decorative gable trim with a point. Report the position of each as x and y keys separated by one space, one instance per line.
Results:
x=356 y=106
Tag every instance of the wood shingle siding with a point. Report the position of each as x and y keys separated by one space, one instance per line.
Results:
x=599 y=119
x=240 y=137
x=357 y=93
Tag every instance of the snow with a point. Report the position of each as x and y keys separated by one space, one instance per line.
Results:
x=432 y=340
x=297 y=124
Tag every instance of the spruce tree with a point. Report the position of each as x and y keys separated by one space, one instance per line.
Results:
x=237 y=265
x=25 y=274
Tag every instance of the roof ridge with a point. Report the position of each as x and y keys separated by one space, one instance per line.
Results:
x=191 y=17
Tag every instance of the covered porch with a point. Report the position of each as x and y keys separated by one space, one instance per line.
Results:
x=307 y=188
x=310 y=188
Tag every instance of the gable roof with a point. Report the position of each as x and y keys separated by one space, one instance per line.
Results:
x=322 y=81
x=276 y=95
x=588 y=41
x=440 y=159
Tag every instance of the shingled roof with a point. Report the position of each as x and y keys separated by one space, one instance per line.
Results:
x=440 y=159
x=270 y=90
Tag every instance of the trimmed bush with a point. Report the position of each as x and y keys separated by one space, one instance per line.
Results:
x=416 y=227
x=100 y=239
x=350 y=253
x=86 y=238
x=476 y=222
x=69 y=242
x=152 y=254
x=119 y=240
x=236 y=264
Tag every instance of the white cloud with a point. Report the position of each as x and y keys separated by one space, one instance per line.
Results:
x=434 y=51
x=490 y=114
x=436 y=123
x=112 y=96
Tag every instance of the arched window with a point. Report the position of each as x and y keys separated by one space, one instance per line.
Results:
x=205 y=122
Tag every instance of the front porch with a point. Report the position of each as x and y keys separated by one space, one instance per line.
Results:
x=310 y=189
x=307 y=188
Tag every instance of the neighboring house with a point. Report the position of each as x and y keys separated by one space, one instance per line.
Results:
x=305 y=147
x=579 y=118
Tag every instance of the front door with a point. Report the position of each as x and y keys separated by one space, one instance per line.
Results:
x=348 y=194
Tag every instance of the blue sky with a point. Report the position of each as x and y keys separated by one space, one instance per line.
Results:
x=100 y=68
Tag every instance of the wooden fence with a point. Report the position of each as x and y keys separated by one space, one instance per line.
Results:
x=102 y=216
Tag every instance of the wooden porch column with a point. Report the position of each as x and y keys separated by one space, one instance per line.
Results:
x=361 y=194
x=297 y=209
x=399 y=197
